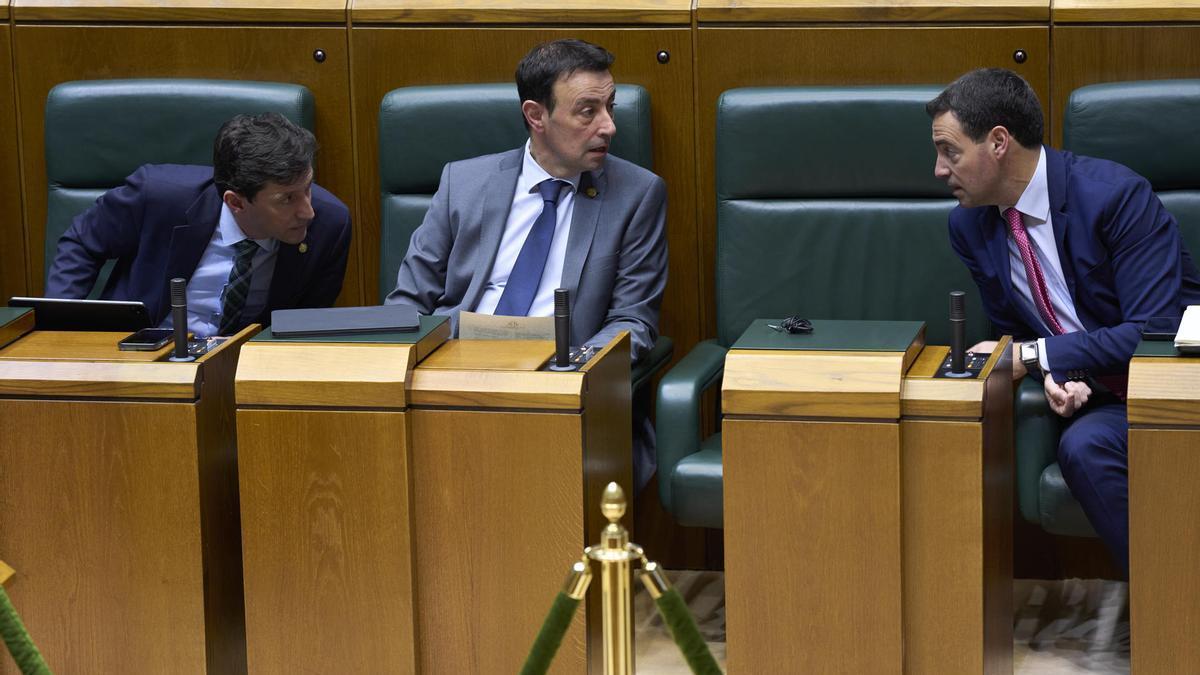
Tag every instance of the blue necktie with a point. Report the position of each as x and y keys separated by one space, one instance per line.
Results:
x=526 y=273
x=237 y=288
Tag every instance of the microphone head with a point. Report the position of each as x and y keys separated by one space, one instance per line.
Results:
x=562 y=301
x=958 y=305
x=178 y=291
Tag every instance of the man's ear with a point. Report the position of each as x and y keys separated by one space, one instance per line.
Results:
x=234 y=201
x=999 y=140
x=535 y=115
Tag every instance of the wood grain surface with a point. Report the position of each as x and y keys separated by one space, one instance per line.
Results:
x=459 y=12
x=345 y=375
x=923 y=395
x=495 y=374
x=850 y=11
x=122 y=516
x=46 y=55
x=1164 y=549
x=12 y=231
x=169 y=11
x=494 y=52
x=326 y=529
x=839 y=56
x=1164 y=391
x=49 y=345
x=862 y=385
x=812 y=547
x=524 y=355
x=1119 y=11
x=498 y=518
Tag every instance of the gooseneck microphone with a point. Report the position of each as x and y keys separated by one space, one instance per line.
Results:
x=179 y=319
x=958 y=332
x=562 y=330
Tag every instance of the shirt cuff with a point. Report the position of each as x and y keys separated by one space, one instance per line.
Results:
x=1043 y=359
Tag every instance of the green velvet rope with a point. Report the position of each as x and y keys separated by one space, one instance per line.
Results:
x=23 y=651
x=551 y=635
x=679 y=620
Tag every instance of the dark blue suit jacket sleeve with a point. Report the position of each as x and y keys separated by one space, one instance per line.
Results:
x=111 y=228
x=1144 y=270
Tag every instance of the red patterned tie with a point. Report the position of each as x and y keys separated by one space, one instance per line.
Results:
x=1033 y=271
x=1041 y=297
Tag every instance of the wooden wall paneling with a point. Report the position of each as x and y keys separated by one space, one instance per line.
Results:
x=162 y=11
x=385 y=58
x=849 y=55
x=12 y=232
x=1084 y=55
x=46 y=55
x=784 y=11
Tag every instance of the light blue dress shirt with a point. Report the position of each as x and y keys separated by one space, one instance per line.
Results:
x=526 y=207
x=206 y=288
x=1034 y=207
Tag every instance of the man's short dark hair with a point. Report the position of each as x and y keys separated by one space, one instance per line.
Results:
x=990 y=97
x=549 y=61
x=252 y=150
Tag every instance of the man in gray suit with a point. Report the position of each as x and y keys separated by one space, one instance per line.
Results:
x=505 y=230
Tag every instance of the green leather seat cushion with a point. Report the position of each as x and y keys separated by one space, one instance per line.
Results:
x=698 y=486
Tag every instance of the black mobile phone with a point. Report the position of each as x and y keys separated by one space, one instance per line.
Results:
x=1160 y=328
x=146 y=340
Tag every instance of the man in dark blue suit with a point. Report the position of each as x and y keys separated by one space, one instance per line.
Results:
x=251 y=234
x=1071 y=255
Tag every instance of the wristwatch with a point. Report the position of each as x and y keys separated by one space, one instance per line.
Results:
x=1029 y=357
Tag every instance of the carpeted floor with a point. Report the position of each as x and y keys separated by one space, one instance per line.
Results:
x=1060 y=627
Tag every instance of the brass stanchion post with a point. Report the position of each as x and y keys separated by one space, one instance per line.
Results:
x=614 y=556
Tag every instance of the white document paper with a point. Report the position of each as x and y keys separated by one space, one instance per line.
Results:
x=473 y=326
x=1188 y=335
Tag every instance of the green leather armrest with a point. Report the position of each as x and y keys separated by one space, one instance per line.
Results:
x=1035 y=437
x=678 y=412
x=657 y=359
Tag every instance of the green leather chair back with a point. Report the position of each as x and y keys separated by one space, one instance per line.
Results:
x=421 y=129
x=827 y=208
x=1149 y=127
x=100 y=131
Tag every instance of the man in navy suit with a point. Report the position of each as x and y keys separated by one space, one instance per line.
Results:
x=251 y=234
x=1071 y=255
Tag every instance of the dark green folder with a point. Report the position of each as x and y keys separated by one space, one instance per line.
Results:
x=428 y=324
x=10 y=314
x=831 y=335
x=1157 y=348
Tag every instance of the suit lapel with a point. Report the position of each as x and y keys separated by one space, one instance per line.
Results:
x=497 y=201
x=285 y=279
x=584 y=216
x=1056 y=188
x=189 y=241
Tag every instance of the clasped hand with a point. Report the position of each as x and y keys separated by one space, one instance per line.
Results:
x=1065 y=399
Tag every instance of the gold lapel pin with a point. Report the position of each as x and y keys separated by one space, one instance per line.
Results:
x=304 y=247
x=590 y=192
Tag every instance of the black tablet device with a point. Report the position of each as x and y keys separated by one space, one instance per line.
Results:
x=96 y=315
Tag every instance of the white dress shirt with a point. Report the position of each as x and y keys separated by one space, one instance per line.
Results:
x=526 y=207
x=1034 y=207
x=206 y=288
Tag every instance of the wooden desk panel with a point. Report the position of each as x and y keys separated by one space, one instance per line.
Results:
x=12 y=232
x=49 y=54
x=328 y=556
x=122 y=519
x=812 y=546
x=272 y=11
x=1120 y=11
x=840 y=56
x=380 y=66
x=783 y=11
x=1164 y=549
x=460 y=12
x=1086 y=55
x=482 y=514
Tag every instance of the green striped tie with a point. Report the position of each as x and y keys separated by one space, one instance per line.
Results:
x=238 y=287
